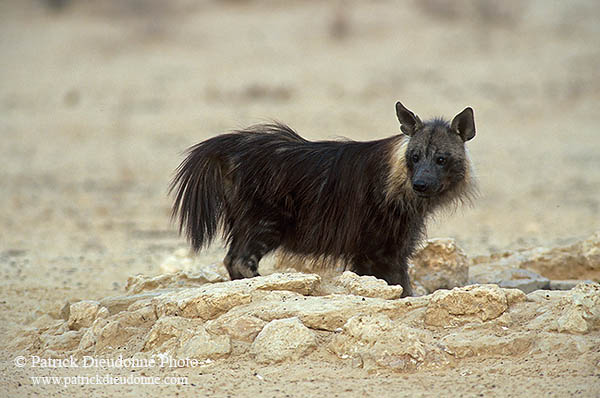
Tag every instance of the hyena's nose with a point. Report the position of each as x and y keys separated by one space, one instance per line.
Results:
x=420 y=186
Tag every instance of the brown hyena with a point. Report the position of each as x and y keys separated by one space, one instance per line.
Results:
x=362 y=203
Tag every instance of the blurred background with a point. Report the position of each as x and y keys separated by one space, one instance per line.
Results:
x=99 y=98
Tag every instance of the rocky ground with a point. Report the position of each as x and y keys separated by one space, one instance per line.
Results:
x=98 y=100
x=196 y=313
x=193 y=319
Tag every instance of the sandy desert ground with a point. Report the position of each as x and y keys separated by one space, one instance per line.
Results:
x=99 y=99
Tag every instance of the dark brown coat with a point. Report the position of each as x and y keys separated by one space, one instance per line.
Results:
x=363 y=203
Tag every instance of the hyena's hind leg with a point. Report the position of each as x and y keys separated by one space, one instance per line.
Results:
x=248 y=246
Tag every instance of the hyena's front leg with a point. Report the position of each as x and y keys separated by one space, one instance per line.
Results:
x=390 y=268
x=400 y=274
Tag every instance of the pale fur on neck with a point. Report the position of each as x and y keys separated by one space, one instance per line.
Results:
x=399 y=188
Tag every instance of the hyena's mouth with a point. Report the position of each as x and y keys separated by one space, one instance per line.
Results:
x=429 y=194
x=425 y=195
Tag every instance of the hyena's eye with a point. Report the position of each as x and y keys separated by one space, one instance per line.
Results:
x=441 y=160
x=415 y=157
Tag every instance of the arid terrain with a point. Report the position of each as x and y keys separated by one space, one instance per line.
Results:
x=98 y=100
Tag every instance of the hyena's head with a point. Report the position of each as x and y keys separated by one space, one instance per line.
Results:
x=436 y=160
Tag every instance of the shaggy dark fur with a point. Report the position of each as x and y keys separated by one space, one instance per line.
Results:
x=364 y=203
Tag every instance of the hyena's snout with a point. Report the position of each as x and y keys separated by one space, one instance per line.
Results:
x=426 y=182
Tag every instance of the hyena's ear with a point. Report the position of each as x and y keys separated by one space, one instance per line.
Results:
x=464 y=124
x=409 y=122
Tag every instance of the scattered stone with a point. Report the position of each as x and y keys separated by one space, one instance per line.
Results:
x=185 y=338
x=139 y=317
x=204 y=302
x=103 y=313
x=63 y=342
x=283 y=339
x=169 y=328
x=114 y=335
x=243 y=328
x=514 y=296
x=567 y=284
x=46 y=324
x=204 y=345
x=441 y=264
x=476 y=303
x=526 y=285
x=580 y=260
x=581 y=309
x=82 y=314
x=541 y=296
x=320 y=313
x=572 y=321
x=112 y=331
x=212 y=300
x=65 y=310
x=141 y=283
x=116 y=304
x=305 y=284
x=508 y=277
x=368 y=286
x=90 y=336
x=373 y=341
x=563 y=345
x=474 y=343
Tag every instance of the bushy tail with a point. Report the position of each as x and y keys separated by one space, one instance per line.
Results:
x=199 y=196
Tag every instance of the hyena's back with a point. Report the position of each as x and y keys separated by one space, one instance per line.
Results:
x=268 y=187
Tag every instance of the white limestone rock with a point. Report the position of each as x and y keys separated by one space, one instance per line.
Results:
x=283 y=339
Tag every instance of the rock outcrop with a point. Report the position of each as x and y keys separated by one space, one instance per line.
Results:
x=193 y=314
x=579 y=261
x=440 y=264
